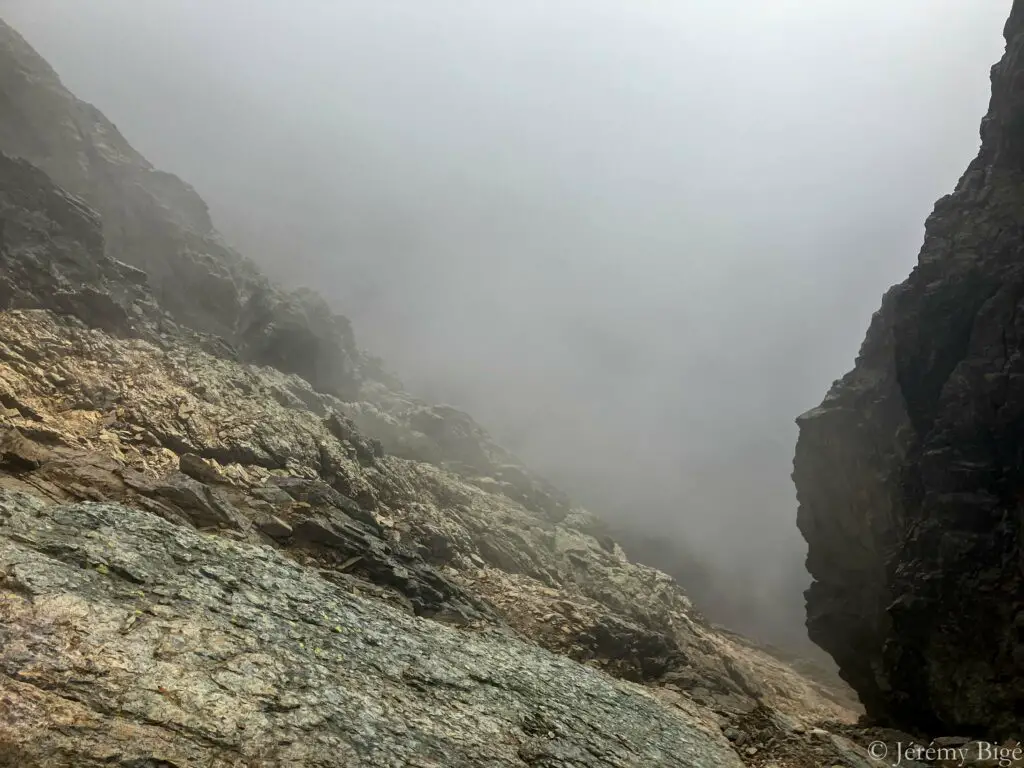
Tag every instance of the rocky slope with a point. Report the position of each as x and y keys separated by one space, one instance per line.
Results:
x=227 y=538
x=148 y=643
x=157 y=223
x=910 y=474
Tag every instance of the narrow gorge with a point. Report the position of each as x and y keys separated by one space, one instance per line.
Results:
x=229 y=537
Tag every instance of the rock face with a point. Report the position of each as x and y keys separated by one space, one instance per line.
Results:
x=154 y=221
x=179 y=649
x=228 y=539
x=910 y=474
x=52 y=255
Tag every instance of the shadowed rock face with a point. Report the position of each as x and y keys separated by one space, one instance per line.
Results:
x=910 y=475
x=156 y=222
x=51 y=255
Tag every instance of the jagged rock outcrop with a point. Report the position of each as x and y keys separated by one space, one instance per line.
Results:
x=154 y=221
x=910 y=474
x=52 y=255
x=206 y=442
x=448 y=437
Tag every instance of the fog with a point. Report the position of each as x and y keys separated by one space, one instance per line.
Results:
x=634 y=238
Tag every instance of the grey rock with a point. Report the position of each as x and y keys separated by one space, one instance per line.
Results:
x=367 y=450
x=157 y=223
x=500 y=562
x=225 y=654
x=144 y=258
x=451 y=438
x=210 y=367
x=735 y=735
x=198 y=469
x=200 y=504
x=347 y=539
x=321 y=496
x=272 y=494
x=53 y=255
x=275 y=528
x=427 y=591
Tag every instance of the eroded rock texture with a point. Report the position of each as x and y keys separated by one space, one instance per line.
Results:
x=180 y=649
x=910 y=475
x=257 y=454
x=197 y=650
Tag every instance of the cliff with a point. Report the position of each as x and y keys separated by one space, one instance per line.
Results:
x=227 y=538
x=910 y=474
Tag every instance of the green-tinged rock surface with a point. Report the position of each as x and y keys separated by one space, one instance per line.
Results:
x=126 y=639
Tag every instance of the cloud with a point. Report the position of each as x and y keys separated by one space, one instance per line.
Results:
x=635 y=239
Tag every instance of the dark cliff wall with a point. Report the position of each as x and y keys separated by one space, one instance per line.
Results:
x=52 y=255
x=910 y=475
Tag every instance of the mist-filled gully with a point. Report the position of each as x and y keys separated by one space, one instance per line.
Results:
x=626 y=244
x=633 y=241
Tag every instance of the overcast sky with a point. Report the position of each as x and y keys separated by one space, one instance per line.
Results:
x=634 y=238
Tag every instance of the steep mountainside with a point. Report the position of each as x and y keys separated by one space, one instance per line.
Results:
x=158 y=223
x=910 y=475
x=227 y=539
